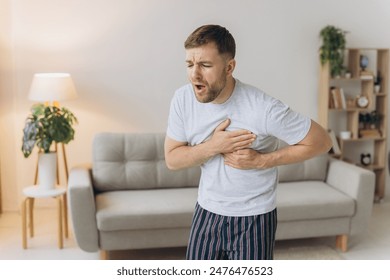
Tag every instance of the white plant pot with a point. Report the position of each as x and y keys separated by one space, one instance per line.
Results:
x=377 y=88
x=47 y=170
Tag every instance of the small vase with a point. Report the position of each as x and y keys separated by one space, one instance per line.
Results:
x=47 y=170
x=377 y=88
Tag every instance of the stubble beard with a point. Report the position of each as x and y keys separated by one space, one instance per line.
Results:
x=213 y=91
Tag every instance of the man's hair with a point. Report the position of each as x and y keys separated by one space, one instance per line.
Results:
x=212 y=34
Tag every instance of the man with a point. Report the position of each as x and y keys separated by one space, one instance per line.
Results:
x=232 y=131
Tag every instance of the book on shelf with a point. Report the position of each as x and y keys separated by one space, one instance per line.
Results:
x=338 y=100
x=369 y=133
x=335 y=144
x=366 y=75
x=343 y=100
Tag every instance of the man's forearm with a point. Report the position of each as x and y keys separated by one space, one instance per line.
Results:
x=316 y=142
x=288 y=155
x=188 y=156
x=179 y=155
x=251 y=159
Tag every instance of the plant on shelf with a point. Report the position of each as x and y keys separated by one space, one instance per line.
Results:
x=332 y=49
x=369 y=124
x=368 y=120
x=45 y=125
x=374 y=120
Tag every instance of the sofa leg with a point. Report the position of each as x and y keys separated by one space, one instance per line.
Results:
x=342 y=242
x=104 y=255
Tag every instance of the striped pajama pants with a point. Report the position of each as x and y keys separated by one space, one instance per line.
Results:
x=216 y=237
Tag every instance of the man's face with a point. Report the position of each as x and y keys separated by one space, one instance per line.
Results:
x=207 y=71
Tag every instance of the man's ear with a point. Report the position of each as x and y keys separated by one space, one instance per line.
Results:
x=230 y=66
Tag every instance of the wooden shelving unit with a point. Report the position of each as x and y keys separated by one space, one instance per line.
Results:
x=347 y=118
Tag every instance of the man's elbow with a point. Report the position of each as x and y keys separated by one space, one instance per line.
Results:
x=170 y=164
x=326 y=144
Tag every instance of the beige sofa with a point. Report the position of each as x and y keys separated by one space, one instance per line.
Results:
x=130 y=200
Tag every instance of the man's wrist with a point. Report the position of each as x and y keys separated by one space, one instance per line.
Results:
x=264 y=161
x=207 y=150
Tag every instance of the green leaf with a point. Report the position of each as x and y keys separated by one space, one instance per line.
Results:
x=45 y=125
x=332 y=49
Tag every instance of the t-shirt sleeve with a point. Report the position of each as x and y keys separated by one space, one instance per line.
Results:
x=286 y=124
x=176 y=129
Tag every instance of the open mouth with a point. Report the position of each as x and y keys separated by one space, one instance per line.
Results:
x=199 y=87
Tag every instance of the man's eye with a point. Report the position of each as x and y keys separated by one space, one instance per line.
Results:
x=189 y=65
x=206 y=65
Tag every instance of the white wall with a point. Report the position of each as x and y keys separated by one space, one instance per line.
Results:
x=126 y=58
x=7 y=111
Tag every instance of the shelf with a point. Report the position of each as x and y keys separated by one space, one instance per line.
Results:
x=362 y=139
x=353 y=79
x=350 y=110
x=329 y=87
x=343 y=79
x=372 y=167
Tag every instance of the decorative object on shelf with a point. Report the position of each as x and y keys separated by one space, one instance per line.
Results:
x=374 y=119
x=363 y=62
x=332 y=49
x=377 y=82
x=345 y=135
x=365 y=159
x=369 y=125
x=377 y=88
x=348 y=74
x=351 y=102
x=362 y=101
x=48 y=124
x=369 y=120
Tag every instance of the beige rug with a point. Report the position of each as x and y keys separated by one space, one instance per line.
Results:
x=318 y=252
x=321 y=252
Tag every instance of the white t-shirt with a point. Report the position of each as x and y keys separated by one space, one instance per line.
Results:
x=225 y=190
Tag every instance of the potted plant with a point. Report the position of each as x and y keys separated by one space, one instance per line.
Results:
x=45 y=125
x=332 y=49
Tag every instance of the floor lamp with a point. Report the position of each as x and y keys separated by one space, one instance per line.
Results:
x=51 y=88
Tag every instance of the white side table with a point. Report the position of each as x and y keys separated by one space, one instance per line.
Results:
x=32 y=192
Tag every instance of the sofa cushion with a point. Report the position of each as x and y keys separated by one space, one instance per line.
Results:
x=311 y=169
x=312 y=200
x=145 y=209
x=135 y=161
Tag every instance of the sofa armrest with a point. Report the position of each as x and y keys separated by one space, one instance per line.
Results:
x=83 y=209
x=358 y=183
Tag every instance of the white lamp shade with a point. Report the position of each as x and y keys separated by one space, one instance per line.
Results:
x=52 y=87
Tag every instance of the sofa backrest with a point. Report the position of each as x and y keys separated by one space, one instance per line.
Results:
x=135 y=161
x=124 y=161
x=314 y=169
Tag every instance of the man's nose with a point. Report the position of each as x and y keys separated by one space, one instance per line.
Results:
x=195 y=72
